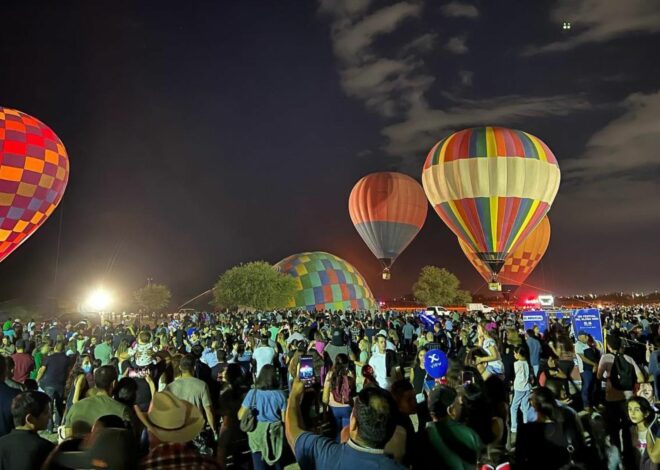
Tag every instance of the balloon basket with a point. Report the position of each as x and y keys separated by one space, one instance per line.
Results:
x=386 y=275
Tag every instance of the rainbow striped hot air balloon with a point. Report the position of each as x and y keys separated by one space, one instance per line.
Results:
x=520 y=263
x=491 y=186
x=34 y=170
x=388 y=210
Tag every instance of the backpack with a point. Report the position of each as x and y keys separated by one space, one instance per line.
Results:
x=342 y=393
x=622 y=374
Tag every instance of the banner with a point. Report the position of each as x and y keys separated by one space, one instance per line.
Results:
x=535 y=318
x=428 y=320
x=588 y=320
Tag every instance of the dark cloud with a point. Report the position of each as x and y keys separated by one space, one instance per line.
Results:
x=457 y=45
x=459 y=10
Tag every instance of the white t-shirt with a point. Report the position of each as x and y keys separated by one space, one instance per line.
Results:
x=521 y=381
x=263 y=355
x=580 y=347
x=379 y=365
x=389 y=345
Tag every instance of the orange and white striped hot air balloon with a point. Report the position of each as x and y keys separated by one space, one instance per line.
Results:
x=388 y=210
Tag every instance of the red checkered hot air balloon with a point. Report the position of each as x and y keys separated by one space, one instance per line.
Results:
x=388 y=210
x=519 y=264
x=34 y=170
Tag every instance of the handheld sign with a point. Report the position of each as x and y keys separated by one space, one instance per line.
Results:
x=436 y=363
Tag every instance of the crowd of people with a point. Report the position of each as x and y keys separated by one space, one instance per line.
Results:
x=329 y=390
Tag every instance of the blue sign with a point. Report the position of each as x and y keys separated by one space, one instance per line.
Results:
x=436 y=363
x=535 y=318
x=588 y=320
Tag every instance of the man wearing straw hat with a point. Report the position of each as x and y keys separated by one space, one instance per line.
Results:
x=172 y=423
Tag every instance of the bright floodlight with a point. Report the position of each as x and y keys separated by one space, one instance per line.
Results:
x=99 y=300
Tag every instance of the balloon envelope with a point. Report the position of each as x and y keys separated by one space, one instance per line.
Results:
x=326 y=282
x=491 y=186
x=388 y=210
x=436 y=363
x=34 y=170
x=519 y=264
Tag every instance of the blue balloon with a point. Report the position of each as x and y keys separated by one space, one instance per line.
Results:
x=436 y=363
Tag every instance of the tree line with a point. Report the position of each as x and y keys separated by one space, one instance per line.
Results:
x=259 y=285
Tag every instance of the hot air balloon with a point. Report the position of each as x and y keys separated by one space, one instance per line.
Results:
x=388 y=210
x=34 y=170
x=520 y=263
x=491 y=186
x=326 y=282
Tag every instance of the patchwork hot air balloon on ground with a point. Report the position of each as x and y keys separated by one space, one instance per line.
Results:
x=491 y=186
x=388 y=210
x=519 y=264
x=326 y=282
x=34 y=170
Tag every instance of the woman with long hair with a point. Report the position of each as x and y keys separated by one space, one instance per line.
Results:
x=338 y=392
x=80 y=380
x=122 y=352
x=493 y=359
x=418 y=374
x=269 y=403
x=363 y=360
x=642 y=416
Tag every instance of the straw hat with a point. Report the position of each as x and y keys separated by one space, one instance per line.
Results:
x=171 y=419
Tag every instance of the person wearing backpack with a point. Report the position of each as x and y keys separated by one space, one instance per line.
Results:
x=621 y=374
x=338 y=392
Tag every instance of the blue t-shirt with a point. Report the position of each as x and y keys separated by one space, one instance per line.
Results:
x=534 y=351
x=270 y=404
x=317 y=452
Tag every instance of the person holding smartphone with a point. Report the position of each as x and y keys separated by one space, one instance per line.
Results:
x=372 y=424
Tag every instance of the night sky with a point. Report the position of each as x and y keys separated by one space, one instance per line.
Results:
x=203 y=134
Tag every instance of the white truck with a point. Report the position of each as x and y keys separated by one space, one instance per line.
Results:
x=479 y=308
x=438 y=311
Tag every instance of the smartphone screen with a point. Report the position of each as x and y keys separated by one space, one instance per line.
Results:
x=306 y=370
x=467 y=377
